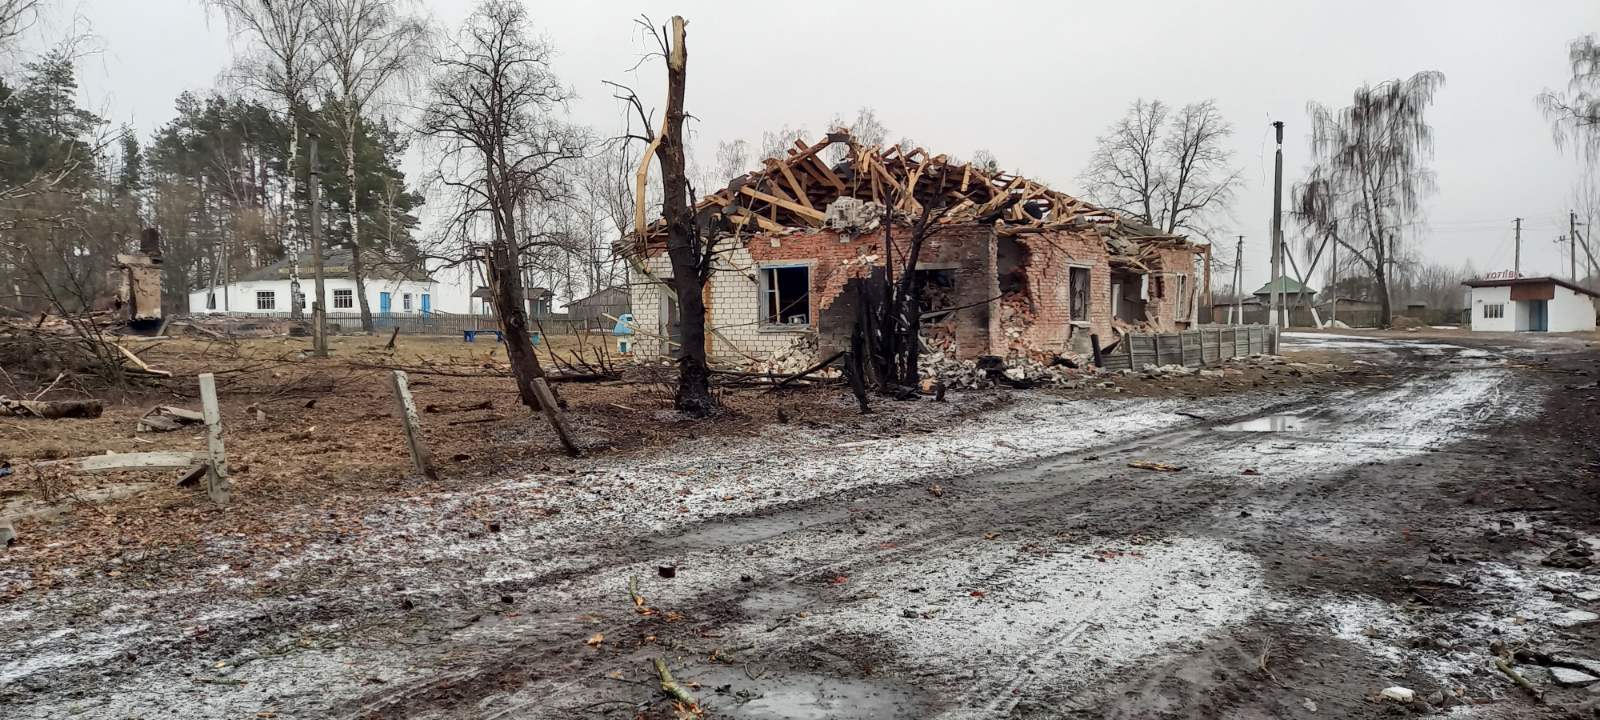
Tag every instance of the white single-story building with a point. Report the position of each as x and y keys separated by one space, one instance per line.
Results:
x=1530 y=304
x=270 y=290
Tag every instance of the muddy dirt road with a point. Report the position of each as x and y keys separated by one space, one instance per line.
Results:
x=1283 y=554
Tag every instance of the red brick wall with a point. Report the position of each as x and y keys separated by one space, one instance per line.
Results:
x=1168 y=310
x=838 y=260
x=1052 y=255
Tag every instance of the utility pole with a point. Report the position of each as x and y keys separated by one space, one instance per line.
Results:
x=1572 y=235
x=1277 y=229
x=1516 y=266
x=1238 y=280
x=319 y=314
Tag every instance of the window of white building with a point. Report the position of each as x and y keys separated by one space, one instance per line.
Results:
x=405 y=302
x=344 y=299
x=1497 y=310
x=786 y=295
x=266 y=300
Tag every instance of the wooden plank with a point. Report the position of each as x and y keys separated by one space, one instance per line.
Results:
x=799 y=190
x=746 y=216
x=140 y=364
x=217 y=485
x=798 y=209
x=421 y=459
x=133 y=461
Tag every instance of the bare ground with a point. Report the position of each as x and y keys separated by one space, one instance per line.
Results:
x=992 y=557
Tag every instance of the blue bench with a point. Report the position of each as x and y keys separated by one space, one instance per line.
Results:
x=472 y=335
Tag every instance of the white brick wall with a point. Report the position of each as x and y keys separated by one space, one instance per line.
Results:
x=735 y=309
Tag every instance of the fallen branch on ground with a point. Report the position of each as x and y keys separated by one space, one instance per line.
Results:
x=51 y=409
x=673 y=689
x=1516 y=677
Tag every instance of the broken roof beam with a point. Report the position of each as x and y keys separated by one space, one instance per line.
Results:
x=799 y=190
x=810 y=214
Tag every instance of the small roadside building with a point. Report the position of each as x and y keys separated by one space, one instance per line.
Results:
x=273 y=290
x=1530 y=304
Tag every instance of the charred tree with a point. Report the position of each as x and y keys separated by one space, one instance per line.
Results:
x=691 y=263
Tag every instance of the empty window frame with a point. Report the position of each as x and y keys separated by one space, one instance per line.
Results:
x=1494 y=311
x=344 y=299
x=786 y=295
x=1078 y=293
x=266 y=300
x=211 y=301
x=938 y=294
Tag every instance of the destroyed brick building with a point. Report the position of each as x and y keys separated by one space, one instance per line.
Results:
x=1013 y=268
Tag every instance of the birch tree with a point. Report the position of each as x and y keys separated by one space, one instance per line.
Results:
x=366 y=48
x=280 y=65
x=1370 y=174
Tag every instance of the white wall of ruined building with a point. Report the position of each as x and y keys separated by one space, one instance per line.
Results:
x=735 y=326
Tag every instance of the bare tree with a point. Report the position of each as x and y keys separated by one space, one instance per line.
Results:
x=1171 y=171
x=1574 y=118
x=690 y=250
x=1574 y=115
x=776 y=143
x=16 y=16
x=1370 y=174
x=733 y=160
x=493 y=110
x=866 y=129
x=1125 y=172
x=366 y=47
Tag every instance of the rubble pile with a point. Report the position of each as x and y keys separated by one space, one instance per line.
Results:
x=852 y=216
x=940 y=363
x=799 y=354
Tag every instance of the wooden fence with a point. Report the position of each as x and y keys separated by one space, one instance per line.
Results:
x=1194 y=348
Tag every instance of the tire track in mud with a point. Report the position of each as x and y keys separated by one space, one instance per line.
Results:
x=1012 y=498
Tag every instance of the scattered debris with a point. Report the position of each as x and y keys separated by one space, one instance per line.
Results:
x=1398 y=694
x=165 y=418
x=1159 y=467
x=192 y=477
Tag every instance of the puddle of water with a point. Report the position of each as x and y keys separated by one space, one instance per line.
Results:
x=816 y=697
x=1271 y=423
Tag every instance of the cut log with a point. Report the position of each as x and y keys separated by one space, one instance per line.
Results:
x=51 y=409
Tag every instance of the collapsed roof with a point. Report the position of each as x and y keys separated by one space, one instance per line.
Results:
x=796 y=190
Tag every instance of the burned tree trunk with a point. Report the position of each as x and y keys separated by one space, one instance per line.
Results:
x=690 y=263
x=510 y=308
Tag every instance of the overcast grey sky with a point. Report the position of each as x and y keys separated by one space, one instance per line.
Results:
x=1033 y=82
